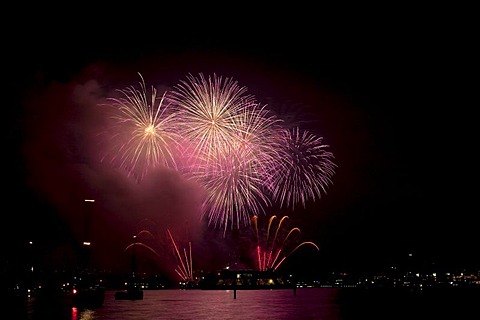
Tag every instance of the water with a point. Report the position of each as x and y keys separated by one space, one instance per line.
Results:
x=305 y=303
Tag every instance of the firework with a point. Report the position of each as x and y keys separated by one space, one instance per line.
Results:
x=184 y=260
x=144 y=131
x=275 y=248
x=139 y=241
x=260 y=140
x=231 y=139
x=209 y=108
x=242 y=155
x=185 y=263
x=236 y=179
x=306 y=170
x=136 y=245
x=232 y=190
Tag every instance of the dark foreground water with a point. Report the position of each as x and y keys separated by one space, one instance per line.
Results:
x=305 y=303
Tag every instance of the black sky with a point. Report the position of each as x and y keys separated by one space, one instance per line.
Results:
x=388 y=94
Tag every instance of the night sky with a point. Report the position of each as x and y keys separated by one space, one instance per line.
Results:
x=387 y=94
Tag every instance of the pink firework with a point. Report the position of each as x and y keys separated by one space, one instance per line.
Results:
x=243 y=156
x=278 y=243
x=184 y=261
x=306 y=170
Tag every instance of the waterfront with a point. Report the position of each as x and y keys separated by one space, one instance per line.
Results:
x=304 y=303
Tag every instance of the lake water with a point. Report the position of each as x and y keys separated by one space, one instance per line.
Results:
x=304 y=303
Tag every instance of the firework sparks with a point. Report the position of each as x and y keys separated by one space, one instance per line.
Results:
x=260 y=140
x=208 y=110
x=272 y=252
x=137 y=241
x=240 y=153
x=137 y=244
x=233 y=191
x=185 y=263
x=236 y=179
x=306 y=171
x=227 y=132
x=144 y=131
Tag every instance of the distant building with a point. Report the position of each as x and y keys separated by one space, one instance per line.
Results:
x=246 y=279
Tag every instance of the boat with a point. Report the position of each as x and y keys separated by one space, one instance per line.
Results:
x=133 y=293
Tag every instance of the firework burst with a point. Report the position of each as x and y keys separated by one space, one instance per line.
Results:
x=243 y=156
x=233 y=190
x=306 y=171
x=144 y=131
x=209 y=108
x=231 y=138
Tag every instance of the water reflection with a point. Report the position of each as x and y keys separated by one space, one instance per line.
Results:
x=82 y=314
x=304 y=303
